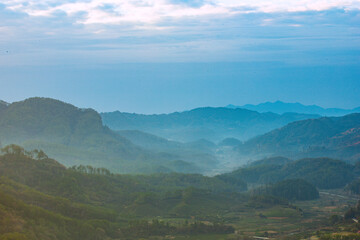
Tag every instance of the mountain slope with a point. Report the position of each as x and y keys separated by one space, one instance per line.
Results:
x=149 y=141
x=43 y=118
x=200 y=152
x=77 y=136
x=336 y=136
x=41 y=199
x=282 y=107
x=280 y=161
x=209 y=123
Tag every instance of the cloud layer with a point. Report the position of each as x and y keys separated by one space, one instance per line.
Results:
x=93 y=32
x=152 y=12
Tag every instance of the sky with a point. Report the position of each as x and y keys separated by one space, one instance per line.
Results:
x=158 y=56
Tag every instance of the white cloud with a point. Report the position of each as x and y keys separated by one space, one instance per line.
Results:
x=271 y=6
x=150 y=12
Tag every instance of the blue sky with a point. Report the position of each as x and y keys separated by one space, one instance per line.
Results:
x=154 y=56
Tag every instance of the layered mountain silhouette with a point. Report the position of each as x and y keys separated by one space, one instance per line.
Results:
x=328 y=136
x=282 y=107
x=200 y=152
x=77 y=136
x=214 y=124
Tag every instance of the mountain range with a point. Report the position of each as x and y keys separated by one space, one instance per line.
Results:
x=280 y=107
x=77 y=136
x=327 y=136
x=214 y=124
x=203 y=140
x=43 y=198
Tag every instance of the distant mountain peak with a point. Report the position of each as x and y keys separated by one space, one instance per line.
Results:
x=281 y=107
x=211 y=123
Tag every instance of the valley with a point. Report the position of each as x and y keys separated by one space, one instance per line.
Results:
x=179 y=120
x=64 y=174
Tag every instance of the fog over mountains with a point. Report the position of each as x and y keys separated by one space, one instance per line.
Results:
x=203 y=140
x=77 y=136
x=214 y=124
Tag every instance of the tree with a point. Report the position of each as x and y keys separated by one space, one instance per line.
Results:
x=13 y=149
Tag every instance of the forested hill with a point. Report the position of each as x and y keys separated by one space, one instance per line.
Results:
x=42 y=118
x=325 y=173
x=40 y=199
x=328 y=136
x=210 y=123
x=50 y=120
x=77 y=136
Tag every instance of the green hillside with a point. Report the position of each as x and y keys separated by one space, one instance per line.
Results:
x=324 y=173
x=41 y=199
x=76 y=182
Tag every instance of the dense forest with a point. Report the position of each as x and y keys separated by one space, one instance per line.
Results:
x=42 y=199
